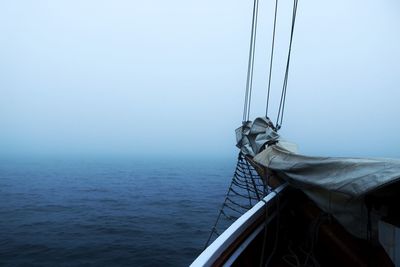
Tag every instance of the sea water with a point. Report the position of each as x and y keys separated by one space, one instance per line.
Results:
x=108 y=212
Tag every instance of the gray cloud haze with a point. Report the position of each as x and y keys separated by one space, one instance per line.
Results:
x=168 y=77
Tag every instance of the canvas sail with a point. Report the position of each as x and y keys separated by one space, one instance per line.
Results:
x=337 y=185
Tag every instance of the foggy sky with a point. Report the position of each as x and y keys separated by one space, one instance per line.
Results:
x=168 y=77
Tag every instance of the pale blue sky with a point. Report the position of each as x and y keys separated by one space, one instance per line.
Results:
x=167 y=77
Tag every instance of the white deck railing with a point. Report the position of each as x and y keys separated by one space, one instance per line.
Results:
x=215 y=249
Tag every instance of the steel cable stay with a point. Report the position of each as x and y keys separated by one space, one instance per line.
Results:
x=281 y=109
x=251 y=59
x=271 y=58
x=250 y=66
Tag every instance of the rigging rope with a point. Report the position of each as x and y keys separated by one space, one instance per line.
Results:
x=250 y=67
x=272 y=58
x=281 y=109
x=247 y=188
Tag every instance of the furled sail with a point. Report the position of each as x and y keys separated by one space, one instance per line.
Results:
x=337 y=185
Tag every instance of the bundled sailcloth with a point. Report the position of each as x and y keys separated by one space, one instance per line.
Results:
x=338 y=185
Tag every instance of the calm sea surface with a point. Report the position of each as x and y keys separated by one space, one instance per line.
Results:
x=108 y=212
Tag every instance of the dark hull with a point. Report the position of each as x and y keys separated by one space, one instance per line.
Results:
x=298 y=233
x=303 y=235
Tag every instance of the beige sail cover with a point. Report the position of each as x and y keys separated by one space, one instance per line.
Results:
x=337 y=185
x=353 y=177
